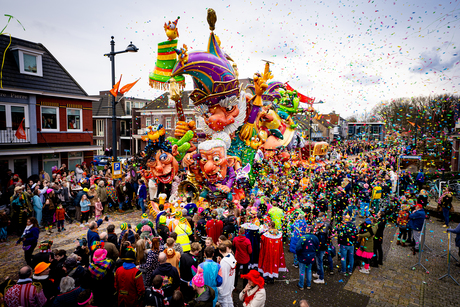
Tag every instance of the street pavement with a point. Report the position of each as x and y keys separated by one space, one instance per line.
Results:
x=393 y=284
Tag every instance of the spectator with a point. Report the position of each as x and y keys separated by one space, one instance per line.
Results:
x=228 y=265
x=92 y=235
x=29 y=239
x=253 y=294
x=170 y=275
x=243 y=253
x=366 y=243
x=205 y=295
x=347 y=233
x=152 y=263
x=111 y=235
x=41 y=275
x=214 y=227
x=85 y=298
x=188 y=267
x=306 y=249
x=38 y=206
x=69 y=293
x=129 y=283
x=112 y=250
x=60 y=218
x=416 y=220
x=25 y=293
x=142 y=195
x=155 y=296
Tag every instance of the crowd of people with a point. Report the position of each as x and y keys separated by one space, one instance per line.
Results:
x=193 y=253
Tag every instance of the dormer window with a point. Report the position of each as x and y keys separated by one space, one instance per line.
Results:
x=29 y=60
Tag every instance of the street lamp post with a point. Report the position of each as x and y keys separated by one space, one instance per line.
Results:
x=111 y=55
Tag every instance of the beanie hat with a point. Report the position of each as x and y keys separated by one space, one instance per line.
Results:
x=42 y=266
x=162 y=220
x=128 y=254
x=45 y=245
x=70 y=263
x=178 y=214
x=124 y=226
x=197 y=280
x=368 y=221
x=144 y=216
x=100 y=254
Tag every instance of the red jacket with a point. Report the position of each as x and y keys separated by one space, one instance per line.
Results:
x=243 y=249
x=214 y=229
x=60 y=214
x=129 y=285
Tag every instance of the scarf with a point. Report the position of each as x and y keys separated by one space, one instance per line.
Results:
x=128 y=265
x=98 y=269
x=442 y=196
x=248 y=298
x=27 y=230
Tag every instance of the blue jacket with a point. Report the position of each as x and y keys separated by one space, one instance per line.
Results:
x=416 y=220
x=85 y=205
x=92 y=236
x=298 y=229
x=31 y=236
x=143 y=192
x=457 y=232
x=306 y=248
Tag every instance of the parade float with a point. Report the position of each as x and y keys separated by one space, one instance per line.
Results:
x=248 y=132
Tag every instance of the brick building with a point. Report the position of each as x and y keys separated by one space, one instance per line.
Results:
x=102 y=121
x=55 y=112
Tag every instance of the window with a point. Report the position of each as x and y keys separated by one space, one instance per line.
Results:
x=99 y=127
x=50 y=118
x=122 y=127
x=74 y=119
x=314 y=127
x=148 y=121
x=2 y=117
x=168 y=123
x=11 y=116
x=50 y=160
x=188 y=119
x=156 y=121
x=29 y=60
x=101 y=144
x=199 y=122
x=128 y=107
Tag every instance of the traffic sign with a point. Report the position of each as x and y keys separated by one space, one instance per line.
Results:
x=116 y=170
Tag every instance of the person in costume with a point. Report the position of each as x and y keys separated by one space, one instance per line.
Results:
x=129 y=283
x=271 y=257
x=253 y=294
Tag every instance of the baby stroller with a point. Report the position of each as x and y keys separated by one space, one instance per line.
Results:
x=69 y=208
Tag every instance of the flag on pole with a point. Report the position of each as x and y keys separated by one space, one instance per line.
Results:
x=128 y=86
x=114 y=90
x=21 y=133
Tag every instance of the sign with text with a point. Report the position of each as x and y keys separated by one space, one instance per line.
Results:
x=116 y=170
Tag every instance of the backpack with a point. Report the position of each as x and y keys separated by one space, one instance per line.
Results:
x=153 y=298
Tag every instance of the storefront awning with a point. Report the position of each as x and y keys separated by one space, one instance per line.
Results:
x=46 y=150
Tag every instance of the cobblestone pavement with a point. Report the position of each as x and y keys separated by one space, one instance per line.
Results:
x=396 y=283
x=393 y=284
x=12 y=256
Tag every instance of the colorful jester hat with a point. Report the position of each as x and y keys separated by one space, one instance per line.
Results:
x=213 y=75
x=167 y=58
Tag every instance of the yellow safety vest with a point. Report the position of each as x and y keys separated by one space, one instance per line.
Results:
x=183 y=231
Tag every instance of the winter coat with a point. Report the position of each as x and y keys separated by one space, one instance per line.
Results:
x=60 y=214
x=403 y=218
x=243 y=249
x=171 y=279
x=205 y=299
x=298 y=229
x=227 y=265
x=38 y=207
x=129 y=286
x=85 y=204
x=457 y=232
x=368 y=240
x=92 y=236
x=48 y=213
x=259 y=298
x=102 y=194
x=416 y=220
x=306 y=248
x=347 y=234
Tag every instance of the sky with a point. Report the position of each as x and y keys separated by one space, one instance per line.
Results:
x=351 y=55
